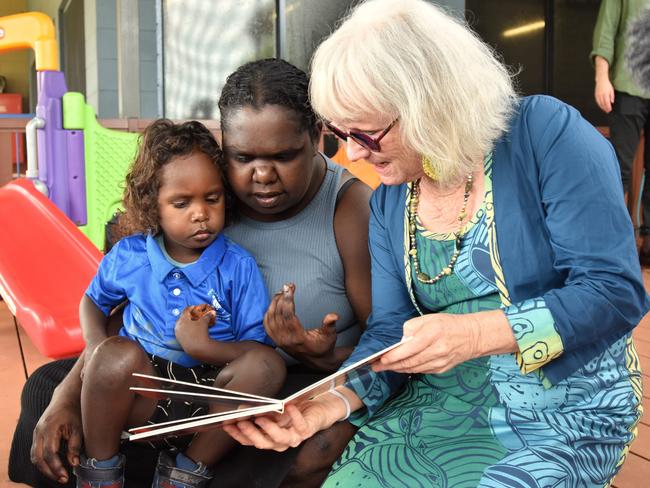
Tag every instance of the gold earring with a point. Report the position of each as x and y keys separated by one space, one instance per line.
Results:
x=429 y=170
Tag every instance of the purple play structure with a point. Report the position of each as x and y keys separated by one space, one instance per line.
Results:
x=60 y=159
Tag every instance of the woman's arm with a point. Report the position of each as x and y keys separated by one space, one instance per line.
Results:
x=589 y=233
x=603 y=90
x=351 y=232
x=316 y=347
x=441 y=341
x=61 y=420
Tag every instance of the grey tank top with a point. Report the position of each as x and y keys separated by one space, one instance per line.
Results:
x=302 y=249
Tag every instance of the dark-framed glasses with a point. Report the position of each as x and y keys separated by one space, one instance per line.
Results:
x=361 y=138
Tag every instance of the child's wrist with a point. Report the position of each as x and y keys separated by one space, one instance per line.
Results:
x=208 y=351
x=199 y=350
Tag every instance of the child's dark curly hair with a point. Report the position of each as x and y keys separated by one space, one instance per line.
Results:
x=160 y=143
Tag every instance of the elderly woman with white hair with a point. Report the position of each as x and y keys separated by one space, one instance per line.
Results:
x=500 y=245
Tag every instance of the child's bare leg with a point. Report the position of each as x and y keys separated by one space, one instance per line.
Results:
x=260 y=371
x=107 y=404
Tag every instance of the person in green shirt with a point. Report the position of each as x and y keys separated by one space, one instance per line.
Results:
x=637 y=54
x=617 y=94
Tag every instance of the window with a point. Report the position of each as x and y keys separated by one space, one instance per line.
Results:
x=547 y=42
x=206 y=41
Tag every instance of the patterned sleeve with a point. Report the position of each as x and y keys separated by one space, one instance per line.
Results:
x=250 y=300
x=105 y=290
x=391 y=307
x=590 y=234
x=534 y=329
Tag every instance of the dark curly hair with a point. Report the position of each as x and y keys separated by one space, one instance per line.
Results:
x=269 y=81
x=160 y=143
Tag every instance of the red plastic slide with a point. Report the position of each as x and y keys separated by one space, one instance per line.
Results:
x=46 y=264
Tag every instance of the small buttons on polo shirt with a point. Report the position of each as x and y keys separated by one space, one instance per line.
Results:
x=176 y=291
x=176 y=275
x=176 y=312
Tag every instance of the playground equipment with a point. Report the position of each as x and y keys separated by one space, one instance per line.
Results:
x=45 y=267
x=50 y=248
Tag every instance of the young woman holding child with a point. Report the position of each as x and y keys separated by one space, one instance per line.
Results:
x=305 y=221
x=175 y=259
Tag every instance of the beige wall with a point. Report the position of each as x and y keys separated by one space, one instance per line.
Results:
x=49 y=7
x=14 y=65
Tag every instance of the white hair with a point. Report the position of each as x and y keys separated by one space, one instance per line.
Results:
x=410 y=59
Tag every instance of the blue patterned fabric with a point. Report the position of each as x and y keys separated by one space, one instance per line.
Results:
x=484 y=423
x=554 y=177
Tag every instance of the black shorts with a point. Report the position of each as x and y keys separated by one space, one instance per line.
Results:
x=168 y=410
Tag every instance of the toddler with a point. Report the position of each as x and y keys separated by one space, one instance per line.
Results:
x=176 y=260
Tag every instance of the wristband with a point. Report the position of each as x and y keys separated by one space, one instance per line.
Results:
x=337 y=393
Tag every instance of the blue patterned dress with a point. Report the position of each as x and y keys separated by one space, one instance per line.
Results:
x=484 y=423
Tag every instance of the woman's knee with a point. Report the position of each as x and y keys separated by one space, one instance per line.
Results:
x=318 y=454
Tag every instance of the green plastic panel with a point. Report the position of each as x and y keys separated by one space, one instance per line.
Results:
x=108 y=154
x=74 y=107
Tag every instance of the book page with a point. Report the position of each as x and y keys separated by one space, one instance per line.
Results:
x=158 y=382
x=190 y=426
x=244 y=401
x=200 y=397
x=148 y=427
x=338 y=378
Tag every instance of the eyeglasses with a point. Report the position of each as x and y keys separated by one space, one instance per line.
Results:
x=364 y=140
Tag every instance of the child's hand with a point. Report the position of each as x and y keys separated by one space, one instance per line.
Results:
x=287 y=332
x=198 y=311
x=192 y=327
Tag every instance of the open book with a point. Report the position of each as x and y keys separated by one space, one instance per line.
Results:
x=233 y=405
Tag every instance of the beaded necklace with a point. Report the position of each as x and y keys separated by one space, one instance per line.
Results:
x=413 y=250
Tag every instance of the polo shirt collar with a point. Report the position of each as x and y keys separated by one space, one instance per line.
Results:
x=196 y=272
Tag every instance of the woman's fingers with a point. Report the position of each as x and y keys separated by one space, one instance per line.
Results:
x=328 y=326
x=286 y=309
x=401 y=366
x=298 y=421
x=236 y=433
x=74 y=446
x=436 y=366
x=425 y=346
x=402 y=353
x=270 y=323
x=45 y=456
x=258 y=434
x=288 y=430
x=280 y=438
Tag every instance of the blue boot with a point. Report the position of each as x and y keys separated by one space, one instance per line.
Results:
x=90 y=475
x=168 y=475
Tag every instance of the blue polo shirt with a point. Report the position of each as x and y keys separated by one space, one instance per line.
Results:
x=225 y=276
